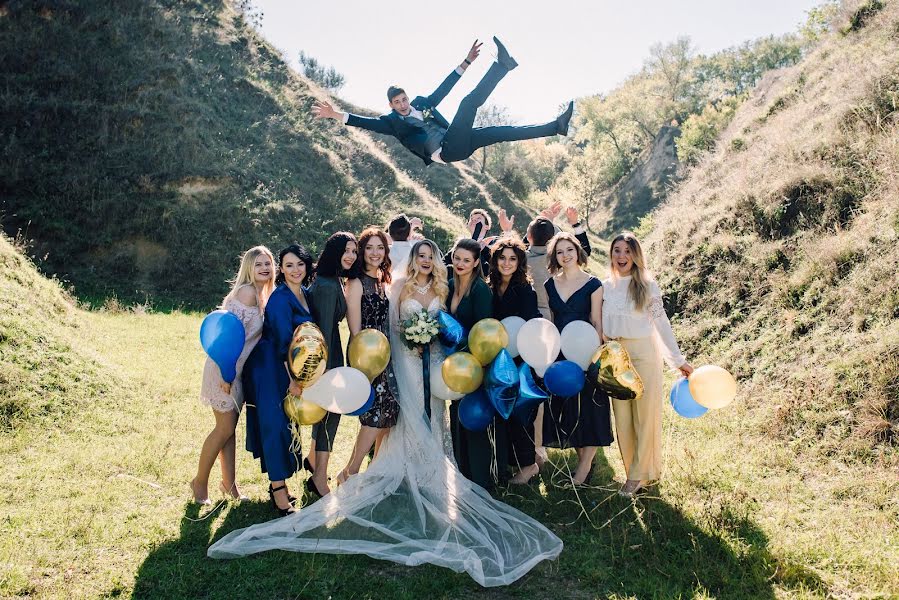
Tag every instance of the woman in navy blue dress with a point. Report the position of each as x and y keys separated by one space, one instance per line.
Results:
x=513 y=295
x=582 y=422
x=266 y=381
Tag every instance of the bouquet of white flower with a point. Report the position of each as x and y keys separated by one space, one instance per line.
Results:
x=419 y=329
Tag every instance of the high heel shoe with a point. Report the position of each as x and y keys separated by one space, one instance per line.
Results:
x=290 y=497
x=281 y=511
x=312 y=489
x=202 y=502
x=308 y=465
x=240 y=497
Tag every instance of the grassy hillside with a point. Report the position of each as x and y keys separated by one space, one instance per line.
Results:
x=157 y=140
x=779 y=256
x=45 y=368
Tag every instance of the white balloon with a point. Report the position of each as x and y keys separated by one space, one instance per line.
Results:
x=579 y=342
x=513 y=326
x=340 y=390
x=439 y=387
x=539 y=343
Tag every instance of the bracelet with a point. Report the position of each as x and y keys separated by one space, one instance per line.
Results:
x=466 y=61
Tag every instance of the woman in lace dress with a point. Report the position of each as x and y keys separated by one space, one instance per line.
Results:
x=368 y=308
x=632 y=313
x=252 y=287
x=411 y=505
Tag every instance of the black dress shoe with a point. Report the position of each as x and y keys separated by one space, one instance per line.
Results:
x=312 y=489
x=502 y=56
x=564 y=119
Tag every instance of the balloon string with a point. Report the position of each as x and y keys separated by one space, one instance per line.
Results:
x=296 y=445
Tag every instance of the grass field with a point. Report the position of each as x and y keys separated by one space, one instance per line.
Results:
x=96 y=504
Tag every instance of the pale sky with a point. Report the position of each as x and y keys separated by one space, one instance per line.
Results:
x=565 y=49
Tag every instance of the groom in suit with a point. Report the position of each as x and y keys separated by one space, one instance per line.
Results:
x=427 y=134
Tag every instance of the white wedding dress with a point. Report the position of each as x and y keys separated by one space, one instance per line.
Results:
x=412 y=505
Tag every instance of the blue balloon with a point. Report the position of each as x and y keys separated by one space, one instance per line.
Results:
x=452 y=335
x=501 y=383
x=530 y=395
x=475 y=411
x=683 y=403
x=222 y=337
x=365 y=407
x=564 y=378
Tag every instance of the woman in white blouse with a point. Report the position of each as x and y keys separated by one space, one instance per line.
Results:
x=633 y=314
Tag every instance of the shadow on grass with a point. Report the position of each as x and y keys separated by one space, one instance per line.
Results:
x=645 y=548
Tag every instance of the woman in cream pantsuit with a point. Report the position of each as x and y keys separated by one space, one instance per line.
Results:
x=633 y=314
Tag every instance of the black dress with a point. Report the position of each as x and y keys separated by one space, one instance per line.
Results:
x=585 y=419
x=517 y=301
x=375 y=315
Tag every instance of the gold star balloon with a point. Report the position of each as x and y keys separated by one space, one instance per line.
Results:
x=611 y=368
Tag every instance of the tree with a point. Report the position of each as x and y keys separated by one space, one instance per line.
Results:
x=673 y=64
x=327 y=77
x=491 y=115
x=252 y=13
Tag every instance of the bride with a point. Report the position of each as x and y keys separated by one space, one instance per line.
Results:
x=412 y=505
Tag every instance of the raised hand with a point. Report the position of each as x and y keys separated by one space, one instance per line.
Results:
x=571 y=214
x=324 y=110
x=474 y=52
x=505 y=223
x=552 y=211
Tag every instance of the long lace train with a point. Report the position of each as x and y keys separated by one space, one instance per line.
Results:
x=412 y=505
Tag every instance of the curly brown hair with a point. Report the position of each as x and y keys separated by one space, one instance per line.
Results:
x=522 y=273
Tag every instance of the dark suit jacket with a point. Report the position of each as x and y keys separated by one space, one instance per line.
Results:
x=407 y=133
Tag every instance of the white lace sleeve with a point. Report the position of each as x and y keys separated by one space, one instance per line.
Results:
x=662 y=328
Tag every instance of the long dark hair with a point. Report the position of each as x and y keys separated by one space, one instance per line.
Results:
x=359 y=266
x=328 y=264
x=521 y=275
x=303 y=255
x=474 y=247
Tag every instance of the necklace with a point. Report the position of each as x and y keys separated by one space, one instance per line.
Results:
x=421 y=290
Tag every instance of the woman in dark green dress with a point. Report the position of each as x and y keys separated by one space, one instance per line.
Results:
x=470 y=300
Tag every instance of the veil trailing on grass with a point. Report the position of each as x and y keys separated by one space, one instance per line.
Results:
x=412 y=505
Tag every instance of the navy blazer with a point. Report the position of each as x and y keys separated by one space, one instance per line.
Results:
x=407 y=133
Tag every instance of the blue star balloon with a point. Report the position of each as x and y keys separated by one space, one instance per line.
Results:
x=501 y=383
x=452 y=335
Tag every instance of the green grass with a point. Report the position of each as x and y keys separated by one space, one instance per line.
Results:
x=98 y=499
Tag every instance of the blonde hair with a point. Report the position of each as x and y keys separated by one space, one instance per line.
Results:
x=438 y=271
x=552 y=263
x=638 y=290
x=245 y=275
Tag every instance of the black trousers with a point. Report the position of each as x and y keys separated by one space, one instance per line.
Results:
x=324 y=432
x=463 y=138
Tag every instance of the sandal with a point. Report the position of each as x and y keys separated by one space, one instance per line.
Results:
x=282 y=511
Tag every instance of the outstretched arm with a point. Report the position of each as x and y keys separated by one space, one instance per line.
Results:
x=580 y=232
x=444 y=88
x=324 y=110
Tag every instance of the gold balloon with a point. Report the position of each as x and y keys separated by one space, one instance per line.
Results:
x=308 y=328
x=611 y=368
x=302 y=411
x=369 y=351
x=462 y=372
x=712 y=387
x=307 y=358
x=486 y=339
